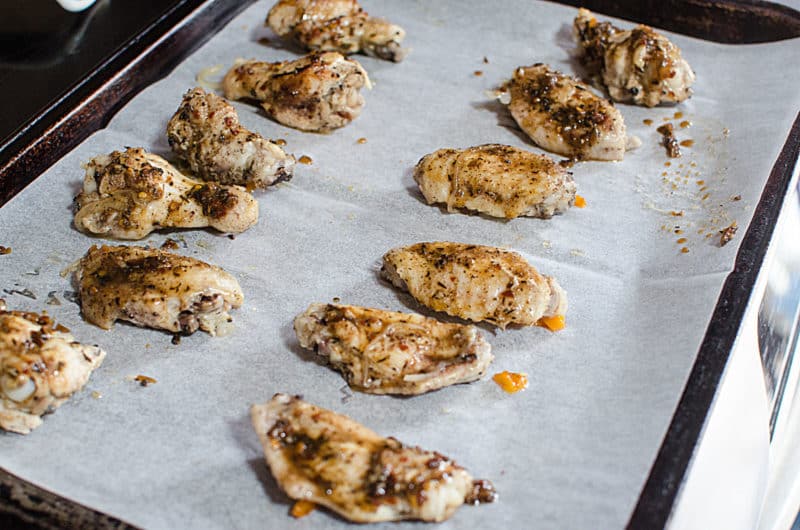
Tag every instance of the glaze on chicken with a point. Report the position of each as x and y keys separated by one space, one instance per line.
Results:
x=563 y=115
x=337 y=25
x=319 y=456
x=473 y=282
x=41 y=366
x=497 y=180
x=386 y=352
x=128 y=194
x=205 y=133
x=317 y=93
x=156 y=289
x=639 y=65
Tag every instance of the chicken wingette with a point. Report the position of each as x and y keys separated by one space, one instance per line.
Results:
x=337 y=25
x=326 y=458
x=128 y=194
x=638 y=65
x=205 y=133
x=478 y=283
x=41 y=366
x=387 y=352
x=317 y=93
x=497 y=180
x=153 y=288
x=562 y=115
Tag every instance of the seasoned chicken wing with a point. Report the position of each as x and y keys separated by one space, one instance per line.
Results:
x=498 y=180
x=127 y=195
x=638 y=65
x=475 y=282
x=337 y=25
x=564 y=116
x=318 y=92
x=386 y=352
x=157 y=289
x=319 y=456
x=41 y=366
x=205 y=132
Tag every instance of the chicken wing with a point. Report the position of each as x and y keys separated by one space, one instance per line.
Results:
x=127 y=195
x=41 y=366
x=323 y=457
x=498 y=180
x=475 y=282
x=205 y=132
x=385 y=352
x=337 y=25
x=562 y=115
x=153 y=288
x=638 y=65
x=318 y=92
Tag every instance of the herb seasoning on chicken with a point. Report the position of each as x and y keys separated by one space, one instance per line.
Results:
x=41 y=366
x=157 y=289
x=127 y=195
x=564 y=116
x=498 y=180
x=337 y=25
x=638 y=65
x=319 y=456
x=205 y=132
x=476 y=283
x=317 y=93
x=386 y=352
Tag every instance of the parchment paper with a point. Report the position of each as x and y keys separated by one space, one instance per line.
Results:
x=574 y=449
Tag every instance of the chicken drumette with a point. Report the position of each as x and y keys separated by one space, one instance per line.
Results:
x=41 y=366
x=337 y=25
x=638 y=65
x=386 y=352
x=205 y=132
x=127 y=195
x=319 y=456
x=498 y=180
x=157 y=289
x=318 y=92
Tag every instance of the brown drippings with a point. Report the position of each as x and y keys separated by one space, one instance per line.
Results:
x=726 y=234
x=477 y=73
x=674 y=213
x=681 y=240
x=669 y=141
x=667 y=163
x=687 y=143
x=647 y=121
x=279 y=141
x=678 y=115
x=305 y=159
x=144 y=380
x=361 y=141
x=736 y=198
x=684 y=250
x=4 y=250
x=485 y=60
x=685 y=123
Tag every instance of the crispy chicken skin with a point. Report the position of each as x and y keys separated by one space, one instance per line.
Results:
x=317 y=93
x=157 y=289
x=127 y=195
x=386 y=352
x=497 y=180
x=41 y=366
x=337 y=25
x=327 y=458
x=638 y=65
x=562 y=115
x=475 y=283
x=205 y=132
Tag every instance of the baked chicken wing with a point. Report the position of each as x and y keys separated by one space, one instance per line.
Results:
x=127 y=195
x=638 y=65
x=476 y=283
x=41 y=366
x=386 y=352
x=318 y=92
x=319 y=456
x=498 y=180
x=337 y=25
x=205 y=132
x=563 y=115
x=157 y=289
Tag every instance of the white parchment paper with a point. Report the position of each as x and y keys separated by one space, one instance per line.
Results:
x=574 y=449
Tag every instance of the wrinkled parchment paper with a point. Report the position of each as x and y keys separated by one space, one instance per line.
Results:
x=571 y=451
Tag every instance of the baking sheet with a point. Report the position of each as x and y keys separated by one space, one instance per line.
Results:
x=575 y=448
